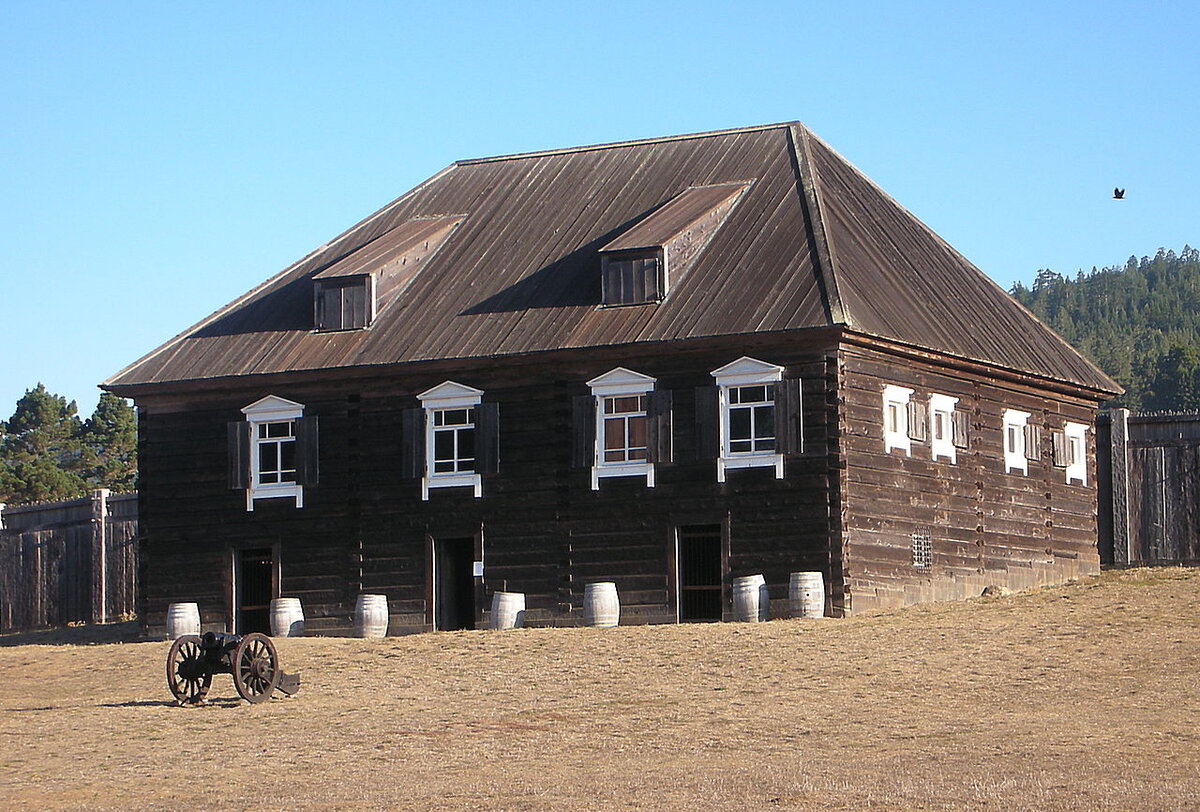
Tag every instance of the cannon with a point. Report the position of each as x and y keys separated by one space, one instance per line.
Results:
x=251 y=660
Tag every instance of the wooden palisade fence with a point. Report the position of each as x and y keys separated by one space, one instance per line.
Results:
x=1149 y=487
x=68 y=562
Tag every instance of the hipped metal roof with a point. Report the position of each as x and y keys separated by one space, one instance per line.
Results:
x=811 y=243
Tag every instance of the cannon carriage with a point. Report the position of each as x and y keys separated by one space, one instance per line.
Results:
x=251 y=660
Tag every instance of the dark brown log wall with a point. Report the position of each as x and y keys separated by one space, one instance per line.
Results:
x=985 y=526
x=539 y=526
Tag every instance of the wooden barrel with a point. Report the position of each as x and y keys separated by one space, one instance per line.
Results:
x=371 y=616
x=806 y=594
x=750 y=601
x=287 y=618
x=182 y=618
x=508 y=610
x=601 y=606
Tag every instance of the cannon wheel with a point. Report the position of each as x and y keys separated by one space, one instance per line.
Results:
x=255 y=668
x=187 y=676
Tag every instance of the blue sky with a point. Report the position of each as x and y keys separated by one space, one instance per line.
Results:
x=159 y=159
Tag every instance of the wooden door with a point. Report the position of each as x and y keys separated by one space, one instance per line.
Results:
x=701 y=569
x=453 y=584
x=255 y=589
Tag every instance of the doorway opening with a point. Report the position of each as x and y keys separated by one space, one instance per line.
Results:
x=701 y=571
x=453 y=584
x=256 y=586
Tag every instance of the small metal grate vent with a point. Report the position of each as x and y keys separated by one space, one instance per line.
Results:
x=922 y=550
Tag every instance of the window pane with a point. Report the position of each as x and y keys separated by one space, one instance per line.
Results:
x=443 y=445
x=738 y=446
x=466 y=448
x=764 y=421
x=739 y=423
x=637 y=432
x=625 y=405
x=287 y=458
x=614 y=433
x=278 y=430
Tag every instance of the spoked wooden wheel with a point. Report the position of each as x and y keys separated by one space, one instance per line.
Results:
x=255 y=668
x=187 y=676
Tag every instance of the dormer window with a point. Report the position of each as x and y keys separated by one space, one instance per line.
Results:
x=632 y=277
x=645 y=261
x=344 y=303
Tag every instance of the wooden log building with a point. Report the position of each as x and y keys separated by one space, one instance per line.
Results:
x=664 y=363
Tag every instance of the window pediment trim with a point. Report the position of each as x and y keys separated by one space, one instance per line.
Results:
x=621 y=381
x=747 y=370
x=450 y=395
x=273 y=407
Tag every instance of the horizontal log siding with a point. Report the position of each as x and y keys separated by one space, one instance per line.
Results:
x=986 y=526
x=544 y=531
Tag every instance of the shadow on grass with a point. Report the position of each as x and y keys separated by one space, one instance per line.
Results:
x=92 y=634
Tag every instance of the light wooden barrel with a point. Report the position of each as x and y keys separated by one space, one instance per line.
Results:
x=750 y=601
x=806 y=594
x=287 y=618
x=371 y=616
x=508 y=610
x=182 y=618
x=601 y=606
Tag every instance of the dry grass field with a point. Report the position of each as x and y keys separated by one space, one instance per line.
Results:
x=1082 y=696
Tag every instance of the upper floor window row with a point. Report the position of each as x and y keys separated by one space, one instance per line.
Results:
x=939 y=422
x=751 y=418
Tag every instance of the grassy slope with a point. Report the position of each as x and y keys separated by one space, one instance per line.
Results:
x=1078 y=696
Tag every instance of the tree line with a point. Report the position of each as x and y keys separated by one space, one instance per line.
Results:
x=1140 y=323
x=48 y=453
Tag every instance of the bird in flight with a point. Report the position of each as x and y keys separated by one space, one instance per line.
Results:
x=1118 y=194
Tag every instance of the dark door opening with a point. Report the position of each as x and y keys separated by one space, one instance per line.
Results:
x=454 y=584
x=700 y=573
x=255 y=588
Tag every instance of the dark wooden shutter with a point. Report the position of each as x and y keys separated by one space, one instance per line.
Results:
x=487 y=438
x=658 y=426
x=708 y=431
x=412 y=443
x=306 y=451
x=960 y=429
x=239 y=455
x=1062 y=449
x=918 y=421
x=789 y=430
x=583 y=431
x=1033 y=442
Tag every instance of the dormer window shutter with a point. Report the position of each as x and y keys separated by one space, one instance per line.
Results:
x=343 y=303
x=632 y=277
x=789 y=430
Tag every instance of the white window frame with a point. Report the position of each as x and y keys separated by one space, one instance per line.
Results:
x=1077 y=439
x=1014 y=430
x=943 y=447
x=271 y=409
x=444 y=396
x=895 y=404
x=616 y=383
x=745 y=371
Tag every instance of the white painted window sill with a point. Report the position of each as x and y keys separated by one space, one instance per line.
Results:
x=451 y=481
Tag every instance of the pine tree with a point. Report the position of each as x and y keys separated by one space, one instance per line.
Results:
x=41 y=453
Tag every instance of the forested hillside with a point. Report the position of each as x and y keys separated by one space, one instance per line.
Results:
x=1139 y=323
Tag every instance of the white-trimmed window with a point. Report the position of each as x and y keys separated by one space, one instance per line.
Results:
x=1015 y=451
x=746 y=390
x=1076 y=447
x=942 y=427
x=450 y=437
x=622 y=426
x=273 y=451
x=895 y=419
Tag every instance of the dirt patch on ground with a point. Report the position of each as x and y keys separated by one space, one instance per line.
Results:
x=1072 y=697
